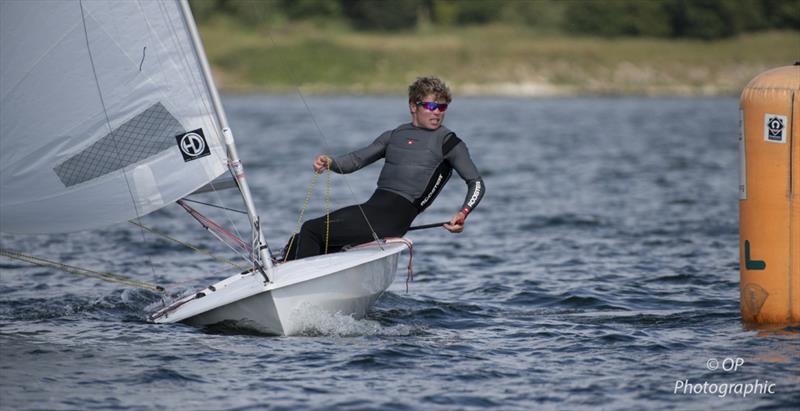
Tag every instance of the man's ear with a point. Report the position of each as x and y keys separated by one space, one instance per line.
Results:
x=412 y=108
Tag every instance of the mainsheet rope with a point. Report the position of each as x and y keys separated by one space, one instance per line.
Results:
x=309 y=192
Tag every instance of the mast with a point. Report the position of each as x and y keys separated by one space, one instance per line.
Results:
x=235 y=165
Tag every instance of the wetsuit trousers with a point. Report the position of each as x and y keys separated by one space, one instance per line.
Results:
x=389 y=214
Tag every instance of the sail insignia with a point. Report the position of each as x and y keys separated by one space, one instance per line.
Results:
x=193 y=145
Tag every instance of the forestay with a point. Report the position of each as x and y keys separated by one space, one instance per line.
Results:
x=97 y=99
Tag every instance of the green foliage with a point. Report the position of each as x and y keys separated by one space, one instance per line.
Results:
x=542 y=14
x=308 y=9
x=444 y=12
x=704 y=19
x=701 y=19
x=478 y=11
x=617 y=18
x=381 y=15
x=782 y=14
x=202 y=9
x=246 y=12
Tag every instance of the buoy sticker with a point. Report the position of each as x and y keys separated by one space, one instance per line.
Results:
x=774 y=128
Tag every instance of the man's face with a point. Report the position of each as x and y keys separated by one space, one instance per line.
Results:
x=424 y=117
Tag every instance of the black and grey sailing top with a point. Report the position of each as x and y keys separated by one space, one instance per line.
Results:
x=418 y=164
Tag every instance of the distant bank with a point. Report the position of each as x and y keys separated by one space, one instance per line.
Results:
x=493 y=60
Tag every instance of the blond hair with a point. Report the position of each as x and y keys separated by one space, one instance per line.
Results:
x=424 y=86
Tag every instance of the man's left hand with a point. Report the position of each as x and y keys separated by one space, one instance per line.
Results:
x=456 y=224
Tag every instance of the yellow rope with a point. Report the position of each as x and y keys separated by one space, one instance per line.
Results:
x=327 y=206
x=80 y=271
x=300 y=217
x=309 y=192
x=199 y=250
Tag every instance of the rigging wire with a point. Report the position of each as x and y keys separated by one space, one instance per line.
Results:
x=187 y=245
x=214 y=205
x=325 y=142
x=223 y=235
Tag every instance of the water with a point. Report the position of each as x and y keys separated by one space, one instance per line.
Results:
x=600 y=269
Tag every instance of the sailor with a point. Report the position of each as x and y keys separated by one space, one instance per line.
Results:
x=419 y=158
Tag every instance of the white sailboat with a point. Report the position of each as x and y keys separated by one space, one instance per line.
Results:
x=109 y=112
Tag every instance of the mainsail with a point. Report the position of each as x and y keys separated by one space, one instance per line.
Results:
x=105 y=115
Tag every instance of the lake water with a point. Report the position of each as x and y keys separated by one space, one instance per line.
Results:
x=600 y=270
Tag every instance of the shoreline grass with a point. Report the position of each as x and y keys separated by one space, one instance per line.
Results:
x=487 y=60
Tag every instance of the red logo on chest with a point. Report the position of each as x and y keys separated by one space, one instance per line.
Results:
x=410 y=141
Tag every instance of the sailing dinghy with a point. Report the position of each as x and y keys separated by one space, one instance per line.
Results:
x=109 y=112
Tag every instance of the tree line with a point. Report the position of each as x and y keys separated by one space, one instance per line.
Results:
x=701 y=19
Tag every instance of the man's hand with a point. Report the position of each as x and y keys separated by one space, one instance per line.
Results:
x=456 y=224
x=322 y=163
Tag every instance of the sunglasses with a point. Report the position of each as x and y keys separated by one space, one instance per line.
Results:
x=431 y=106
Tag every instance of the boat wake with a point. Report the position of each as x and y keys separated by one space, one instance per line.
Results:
x=316 y=323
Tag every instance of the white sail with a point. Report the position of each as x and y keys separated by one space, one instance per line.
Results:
x=96 y=100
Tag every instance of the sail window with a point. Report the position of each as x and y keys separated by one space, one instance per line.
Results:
x=148 y=133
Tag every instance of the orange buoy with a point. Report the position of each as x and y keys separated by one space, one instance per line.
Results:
x=769 y=197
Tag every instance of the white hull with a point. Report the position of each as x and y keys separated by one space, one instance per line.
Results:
x=346 y=283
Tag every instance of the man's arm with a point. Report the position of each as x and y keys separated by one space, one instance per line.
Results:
x=355 y=160
x=458 y=156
